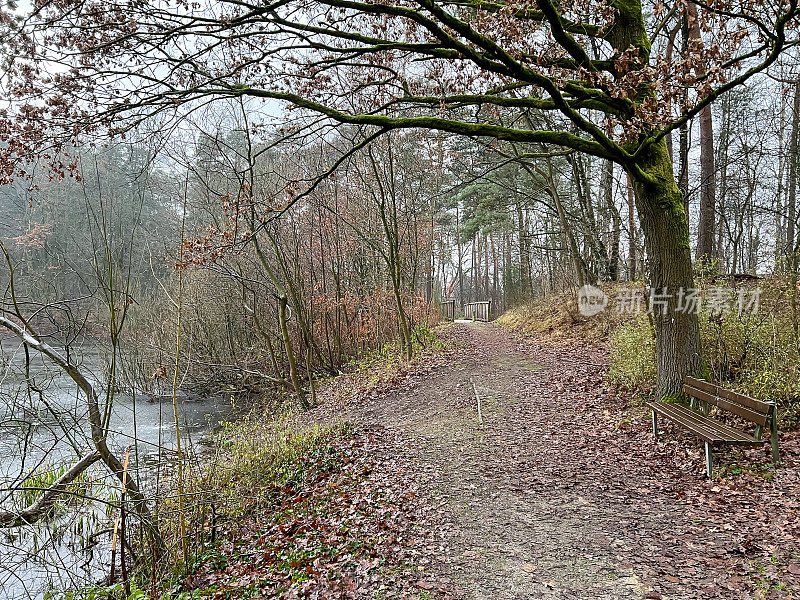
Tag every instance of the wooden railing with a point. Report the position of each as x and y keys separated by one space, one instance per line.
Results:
x=448 y=310
x=478 y=311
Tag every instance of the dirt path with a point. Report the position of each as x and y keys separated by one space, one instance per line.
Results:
x=531 y=508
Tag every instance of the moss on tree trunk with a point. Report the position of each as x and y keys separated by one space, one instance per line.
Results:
x=659 y=203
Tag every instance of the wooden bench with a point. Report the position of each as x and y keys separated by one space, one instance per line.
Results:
x=713 y=432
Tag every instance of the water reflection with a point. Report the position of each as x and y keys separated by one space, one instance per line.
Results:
x=43 y=425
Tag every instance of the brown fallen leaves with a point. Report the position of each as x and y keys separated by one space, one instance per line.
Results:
x=350 y=532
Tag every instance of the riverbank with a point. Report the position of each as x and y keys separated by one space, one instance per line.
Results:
x=45 y=432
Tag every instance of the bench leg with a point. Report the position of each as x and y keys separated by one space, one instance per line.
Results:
x=655 y=425
x=709 y=460
x=773 y=436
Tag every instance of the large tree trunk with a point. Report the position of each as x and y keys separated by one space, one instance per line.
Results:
x=666 y=235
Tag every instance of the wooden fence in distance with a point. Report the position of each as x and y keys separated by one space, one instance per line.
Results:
x=478 y=311
x=448 y=310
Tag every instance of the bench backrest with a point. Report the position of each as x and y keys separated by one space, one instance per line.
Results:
x=748 y=408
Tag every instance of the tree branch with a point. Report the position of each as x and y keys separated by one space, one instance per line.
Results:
x=41 y=508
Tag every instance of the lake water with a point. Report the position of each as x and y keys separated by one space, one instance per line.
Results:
x=43 y=426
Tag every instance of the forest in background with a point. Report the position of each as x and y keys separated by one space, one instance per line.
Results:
x=418 y=216
x=424 y=216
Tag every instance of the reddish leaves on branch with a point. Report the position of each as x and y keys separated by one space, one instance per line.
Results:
x=36 y=236
x=120 y=64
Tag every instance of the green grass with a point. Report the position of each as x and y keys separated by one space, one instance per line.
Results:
x=757 y=355
x=34 y=485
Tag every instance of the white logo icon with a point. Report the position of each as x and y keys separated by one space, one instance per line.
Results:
x=591 y=301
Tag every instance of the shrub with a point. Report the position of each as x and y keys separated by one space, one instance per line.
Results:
x=754 y=354
x=633 y=364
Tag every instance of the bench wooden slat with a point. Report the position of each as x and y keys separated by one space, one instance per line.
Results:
x=702 y=384
x=744 y=412
x=764 y=408
x=706 y=430
x=668 y=411
x=712 y=388
x=705 y=427
x=715 y=432
x=700 y=394
x=732 y=434
x=724 y=432
x=732 y=407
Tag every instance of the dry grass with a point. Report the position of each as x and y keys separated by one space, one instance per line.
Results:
x=555 y=317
